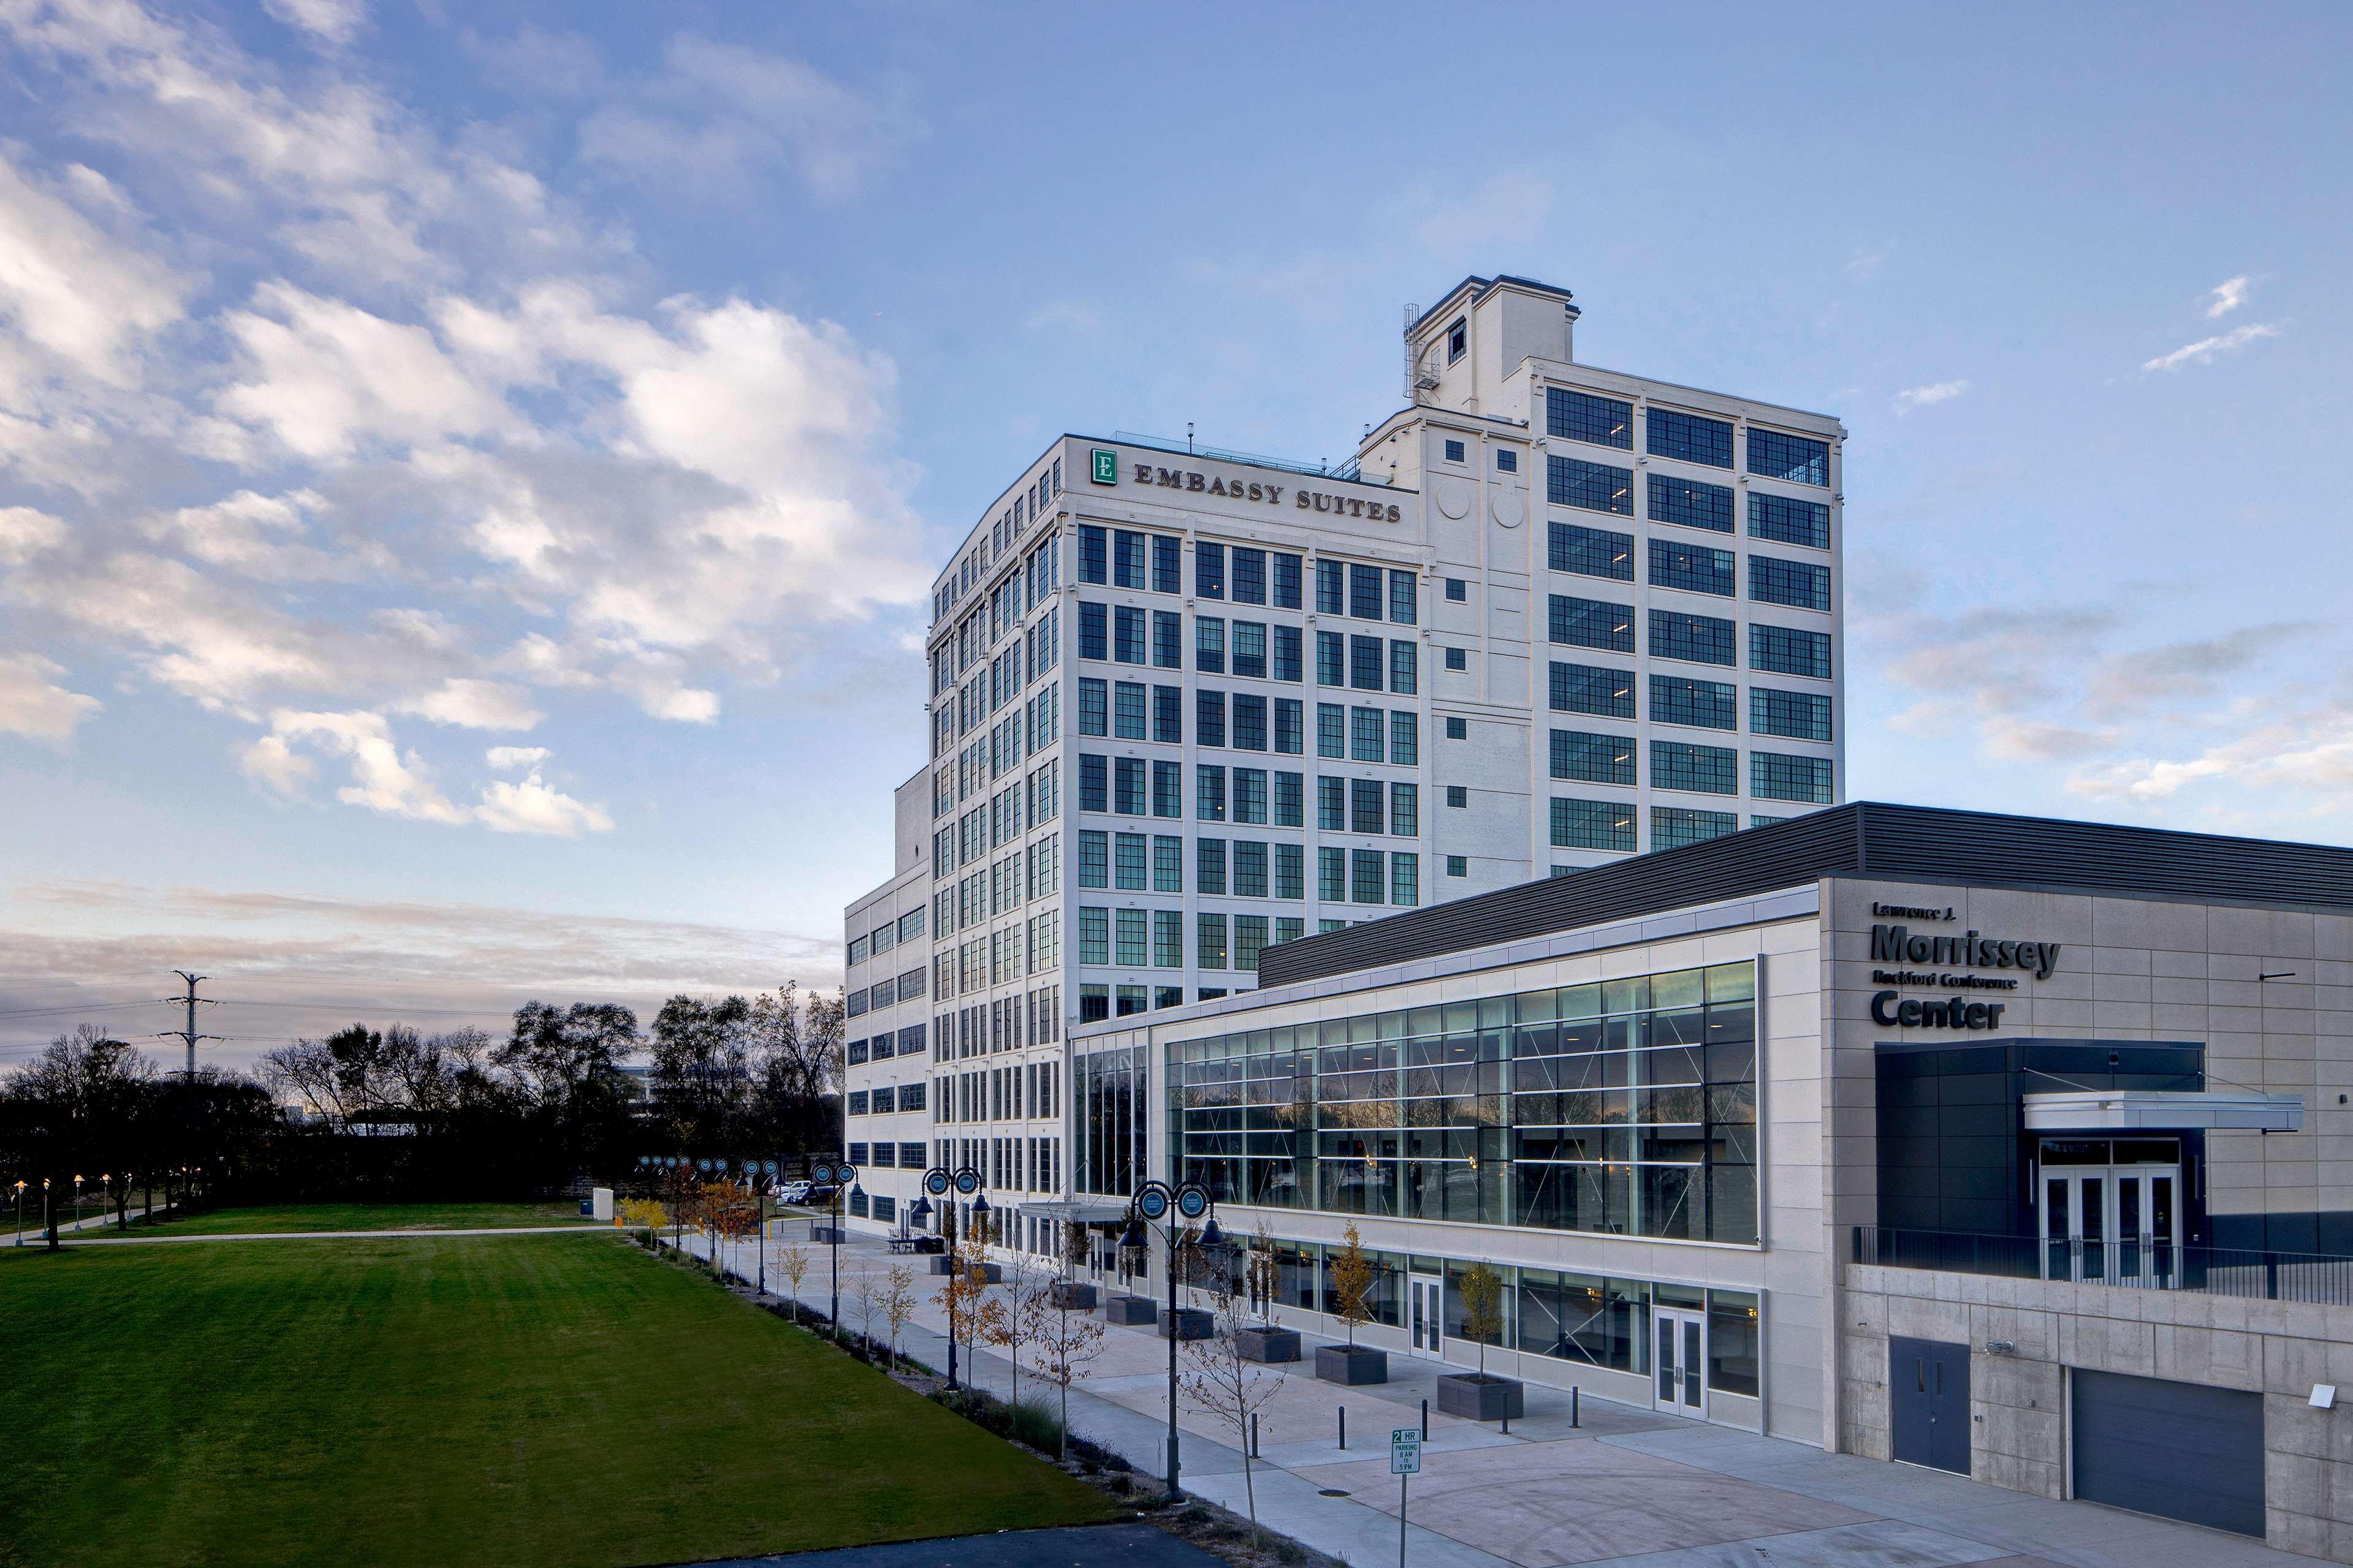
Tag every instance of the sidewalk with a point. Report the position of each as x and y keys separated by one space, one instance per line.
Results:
x=1626 y=1488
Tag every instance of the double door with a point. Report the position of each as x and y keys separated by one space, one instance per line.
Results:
x=1680 y=1367
x=2111 y=1225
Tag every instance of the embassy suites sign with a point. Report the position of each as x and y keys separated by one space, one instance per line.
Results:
x=1104 y=469
x=1947 y=961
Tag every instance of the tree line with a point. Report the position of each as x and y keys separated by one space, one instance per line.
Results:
x=394 y=1114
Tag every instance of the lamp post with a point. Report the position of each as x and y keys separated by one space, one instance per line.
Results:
x=20 y=1212
x=837 y=1175
x=1153 y=1201
x=937 y=1182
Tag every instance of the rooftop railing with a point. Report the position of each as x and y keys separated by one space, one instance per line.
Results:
x=2136 y=1265
x=1350 y=469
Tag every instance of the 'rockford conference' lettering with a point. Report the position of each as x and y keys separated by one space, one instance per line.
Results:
x=1896 y=945
x=1237 y=489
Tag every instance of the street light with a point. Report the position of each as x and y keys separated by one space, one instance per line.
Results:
x=836 y=1176
x=1153 y=1201
x=937 y=1182
x=20 y=1212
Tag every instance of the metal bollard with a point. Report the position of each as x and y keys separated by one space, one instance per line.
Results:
x=1572 y=1404
x=1253 y=1446
x=1425 y=1420
x=1344 y=1428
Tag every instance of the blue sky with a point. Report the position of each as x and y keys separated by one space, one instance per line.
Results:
x=470 y=476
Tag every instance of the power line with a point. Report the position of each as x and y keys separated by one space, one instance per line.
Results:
x=85 y=1007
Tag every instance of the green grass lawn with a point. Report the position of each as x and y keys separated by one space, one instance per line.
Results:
x=460 y=1400
x=365 y=1217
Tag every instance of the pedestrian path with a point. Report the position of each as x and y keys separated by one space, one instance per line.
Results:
x=1625 y=1488
x=1087 y=1546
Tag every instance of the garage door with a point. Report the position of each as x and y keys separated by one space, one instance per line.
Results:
x=2170 y=1448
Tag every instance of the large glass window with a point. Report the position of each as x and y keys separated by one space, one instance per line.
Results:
x=1673 y=826
x=1596 y=487
x=1695 y=568
x=1800 y=715
x=1798 y=459
x=1592 y=825
x=1709 y=770
x=1788 y=520
x=1691 y=503
x=1687 y=437
x=1626 y=1107
x=1590 y=552
x=1703 y=639
x=1591 y=623
x=1774 y=775
x=1679 y=699
x=1592 y=758
x=1593 y=689
x=1805 y=583
x=1786 y=650
x=1582 y=416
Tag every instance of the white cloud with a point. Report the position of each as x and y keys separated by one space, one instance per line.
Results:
x=2204 y=350
x=276 y=764
x=33 y=705
x=506 y=757
x=82 y=300
x=1913 y=397
x=477 y=705
x=329 y=21
x=24 y=533
x=2306 y=755
x=323 y=376
x=382 y=777
x=2229 y=295
x=532 y=807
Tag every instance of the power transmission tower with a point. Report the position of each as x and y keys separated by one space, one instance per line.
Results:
x=189 y=1035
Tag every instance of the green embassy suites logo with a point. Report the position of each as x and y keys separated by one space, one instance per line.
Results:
x=1105 y=465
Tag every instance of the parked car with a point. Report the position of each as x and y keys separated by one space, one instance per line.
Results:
x=793 y=1191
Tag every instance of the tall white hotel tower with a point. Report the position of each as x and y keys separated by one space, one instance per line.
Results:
x=1189 y=703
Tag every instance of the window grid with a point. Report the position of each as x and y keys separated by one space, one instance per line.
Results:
x=1804 y=583
x=1702 y=770
x=1687 y=437
x=1591 y=623
x=1681 y=700
x=1590 y=552
x=1797 y=459
x=1694 y=568
x=1591 y=688
x=1673 y=826
x=1690 y=503
x=1582 y=416
x=1701 y=640
x=1592 y=825
x=1591 y=758
x=1594 y=487
x=1786 y=650
x=1797 y=715
x=1777 y=776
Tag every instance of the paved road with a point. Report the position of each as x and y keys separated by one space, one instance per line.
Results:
x=1627 y=1488
x=1093 y=1546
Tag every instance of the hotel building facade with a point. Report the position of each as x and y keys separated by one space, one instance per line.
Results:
x=1189 y=704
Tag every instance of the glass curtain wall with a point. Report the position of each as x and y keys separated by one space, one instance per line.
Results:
x=1623 y=1107
x=1109 y=1125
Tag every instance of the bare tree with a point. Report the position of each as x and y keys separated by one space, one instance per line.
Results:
x=1230 y=1386
x=868 y=1300
x=964 y=1292
x=1067 y=1341
x=899 y=1303
x=793 y=1259
x=1018 y=1315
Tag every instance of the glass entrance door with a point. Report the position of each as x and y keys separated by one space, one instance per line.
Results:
x=2111 y=1225
x=1681 y=1366
x=1426 y=1314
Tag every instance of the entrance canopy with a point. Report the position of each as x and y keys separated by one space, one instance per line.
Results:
x=1085 y=1210
x=2167 y=1111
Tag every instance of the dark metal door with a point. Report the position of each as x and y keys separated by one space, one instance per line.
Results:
x=2178 y=1449
x=1928 y=1402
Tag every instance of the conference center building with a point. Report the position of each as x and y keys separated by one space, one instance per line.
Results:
x=2012 y=1147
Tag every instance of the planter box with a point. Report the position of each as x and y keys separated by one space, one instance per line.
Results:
x=826 y=1235
x=1482 y=1398
x=1268 y=1345
x=1351 y=1365
x=1072 y=1295
x=942 y=1264
x=1192 y=1323
x=945 y=1264
x=993 y=1272
x=1131 y=1310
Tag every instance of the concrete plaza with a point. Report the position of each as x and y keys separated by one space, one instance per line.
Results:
x=1625 y=1488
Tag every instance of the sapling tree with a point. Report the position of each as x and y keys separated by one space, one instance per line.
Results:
x=1224 y=1382
x=1013 y=1319
x=1481 y=1290
x=897 y=1303
x=793 y=1261
x=1352 y=1283
x=1067 y=1341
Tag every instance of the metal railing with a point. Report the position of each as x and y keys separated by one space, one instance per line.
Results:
x=2136 y=1265
x=1348 y=469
